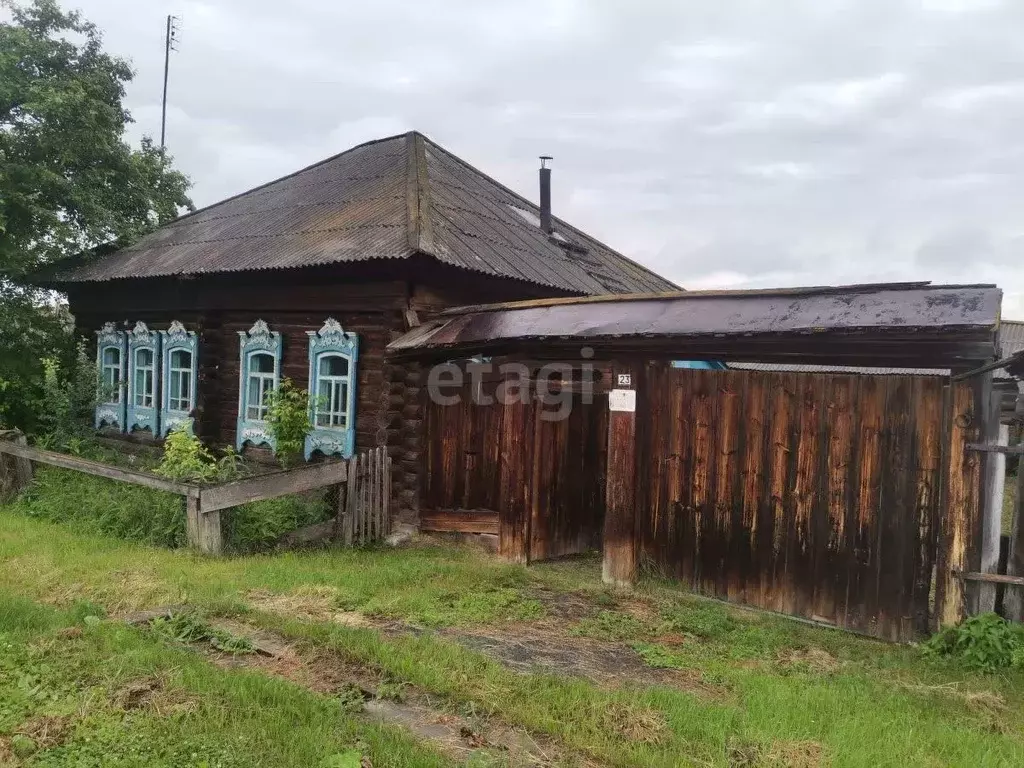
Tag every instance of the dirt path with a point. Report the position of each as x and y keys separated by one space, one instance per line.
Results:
x=365 y=693
x=525 y=647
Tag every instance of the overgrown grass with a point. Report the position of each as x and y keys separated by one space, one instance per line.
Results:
x=95 y=505
x=751 y=683
x=63 y=703
x=1009 y=499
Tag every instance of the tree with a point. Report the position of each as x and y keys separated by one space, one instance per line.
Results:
x=69 y=181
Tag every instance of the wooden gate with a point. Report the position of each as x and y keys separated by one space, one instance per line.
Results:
x=816 y=495
x=510 y=469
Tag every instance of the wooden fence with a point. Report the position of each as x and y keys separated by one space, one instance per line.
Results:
x=367 y=505
x=814 y=495
x=834 y=497
x=363 y=482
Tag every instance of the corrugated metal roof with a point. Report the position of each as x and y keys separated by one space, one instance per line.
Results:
x=388 y=198
x=867 y=370
x=1011 y=337
x=916 y=325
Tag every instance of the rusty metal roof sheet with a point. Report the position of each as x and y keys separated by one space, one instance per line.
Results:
x=864 y=369
x=913 y=325
x=386 y=199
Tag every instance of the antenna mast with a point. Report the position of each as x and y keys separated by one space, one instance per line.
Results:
x=169 y=41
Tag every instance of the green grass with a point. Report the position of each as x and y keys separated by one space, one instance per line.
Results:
x=198 y=715
x=748 y=682
x=90 y=504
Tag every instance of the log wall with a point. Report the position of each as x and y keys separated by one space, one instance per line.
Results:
x=376 y=300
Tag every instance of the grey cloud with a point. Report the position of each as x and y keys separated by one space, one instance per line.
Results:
x=812 y=141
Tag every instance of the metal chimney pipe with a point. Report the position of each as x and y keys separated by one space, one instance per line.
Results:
x=545 y=194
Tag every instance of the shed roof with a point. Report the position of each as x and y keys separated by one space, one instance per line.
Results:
x=913 y=325
x=386 y=199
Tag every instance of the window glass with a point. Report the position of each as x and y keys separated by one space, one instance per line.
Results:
x=333 y=365
x=331 y=406
x=144 y=378
x=262 y=363
x=179 y=381
x=181 y=358
x=111 y=375
x=261 y=384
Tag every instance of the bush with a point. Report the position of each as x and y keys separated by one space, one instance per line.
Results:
x=288 y=421
x=68 y=398
x=187 y=459
x=985 y=642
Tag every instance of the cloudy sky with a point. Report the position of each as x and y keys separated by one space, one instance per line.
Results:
x=724 y=144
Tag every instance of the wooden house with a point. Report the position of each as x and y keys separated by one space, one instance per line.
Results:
x=310 y=277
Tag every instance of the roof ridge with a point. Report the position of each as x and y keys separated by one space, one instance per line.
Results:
x=418 y=198
x=289 y=175
x=564 y=224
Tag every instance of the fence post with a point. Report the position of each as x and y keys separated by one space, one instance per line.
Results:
x=992 y=477
x=15 y=471
x=1013 y=599
x=351 y=498
x=619 y=567
x=202 y=529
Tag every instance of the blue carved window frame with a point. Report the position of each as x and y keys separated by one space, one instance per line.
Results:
x=177 y=341
x=257 y=340
x=327 y=435
x=110 y=408
x=143 y=412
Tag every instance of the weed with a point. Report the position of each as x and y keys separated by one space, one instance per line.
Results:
x=186 y=458
x=392 y=690
x=288 y=421
x=708 y=621
x=352 y=699
x=660 y=657
x=986 y=642
x=187 y=628
x=611 y=625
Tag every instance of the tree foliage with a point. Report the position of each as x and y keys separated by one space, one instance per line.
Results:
x=69 y=181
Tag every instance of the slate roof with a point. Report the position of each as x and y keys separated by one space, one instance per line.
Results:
x=386 y=199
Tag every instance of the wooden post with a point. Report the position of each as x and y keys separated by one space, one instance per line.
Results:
x=339 y=512
x=620 y=560
x=202 y=529
x=351 y=499
x=988 y=404
x=1013 y=598
x=15 y=471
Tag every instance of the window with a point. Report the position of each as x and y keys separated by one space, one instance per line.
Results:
x=331 y=406
x=259 y=351
x=332 y=370
x=144 y=364
x=111 y=375
x=179 y=390
x=111 y=356
x=180 y=381
x=145 y=370
x=261 y=384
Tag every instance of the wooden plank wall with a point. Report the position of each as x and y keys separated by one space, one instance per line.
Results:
x=542 y=480
x=815 y=495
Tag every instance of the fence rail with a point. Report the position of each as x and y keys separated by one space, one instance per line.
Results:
x=364 y=490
